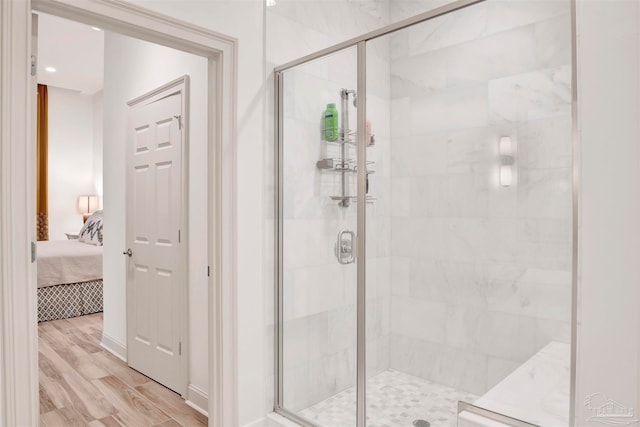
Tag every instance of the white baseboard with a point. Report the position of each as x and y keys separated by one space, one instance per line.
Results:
x=198 y=399
x=114 y=347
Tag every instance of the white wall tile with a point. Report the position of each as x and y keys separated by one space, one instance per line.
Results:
x=531 y=96
x=527 y=296
x=418 y=155
x=544 y=193
x=456 y=283
x=419 y=319
x=400 y=117
x=549 y=52
x=403 y=9
x=505 y=335
x=462 y=322
x=282 y=29
x=400 y=275
x=552 y=330
x=426 y=72
x=425 y=236
x=342 y=328
x=544 y=143
x=467 y=196
x=455 y=109
x=504 y=15
x=498 y=55
x=471 y=150
x=463 y=26
x=400 y=196
x=496 y=258
x=498 y=369
x=428 y=196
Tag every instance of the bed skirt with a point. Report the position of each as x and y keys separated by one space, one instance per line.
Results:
x=69 y=300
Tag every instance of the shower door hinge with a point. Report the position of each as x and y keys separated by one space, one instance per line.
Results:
x=34 y=65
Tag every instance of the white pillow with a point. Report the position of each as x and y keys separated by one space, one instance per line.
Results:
x=91 y=231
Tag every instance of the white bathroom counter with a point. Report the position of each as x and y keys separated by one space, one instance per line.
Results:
x=537 y=392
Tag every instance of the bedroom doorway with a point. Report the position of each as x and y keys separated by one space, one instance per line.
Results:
x=18 y=401
x=155 y=279
x=156 y=234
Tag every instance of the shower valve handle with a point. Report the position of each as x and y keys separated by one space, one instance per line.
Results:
x=345 y=247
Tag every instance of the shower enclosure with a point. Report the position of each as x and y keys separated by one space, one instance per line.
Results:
x=425 y=266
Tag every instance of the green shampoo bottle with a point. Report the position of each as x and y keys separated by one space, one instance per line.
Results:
x=331 y=123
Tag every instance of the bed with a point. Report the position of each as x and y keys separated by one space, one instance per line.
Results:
x=70 y=275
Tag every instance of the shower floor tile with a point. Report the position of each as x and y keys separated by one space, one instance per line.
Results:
x=395 y=399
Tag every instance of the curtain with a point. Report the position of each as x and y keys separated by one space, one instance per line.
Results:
x=42 y=193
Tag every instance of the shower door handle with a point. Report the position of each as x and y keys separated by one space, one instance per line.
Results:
x=345 y=247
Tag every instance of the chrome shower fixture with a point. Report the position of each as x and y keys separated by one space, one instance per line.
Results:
x=507 y=160
x=345 y=95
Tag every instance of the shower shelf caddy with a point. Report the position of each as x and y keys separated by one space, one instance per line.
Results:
x=345 y=166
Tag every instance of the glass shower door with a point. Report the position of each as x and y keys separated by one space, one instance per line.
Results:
x=317 y=232
x=468 y=261
x=425 y=254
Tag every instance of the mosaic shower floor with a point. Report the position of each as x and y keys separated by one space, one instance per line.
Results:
x=395 y=399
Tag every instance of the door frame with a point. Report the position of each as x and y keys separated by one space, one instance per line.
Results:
x=18 y=327
x=180 y=85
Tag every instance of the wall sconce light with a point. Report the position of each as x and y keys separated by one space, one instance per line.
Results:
x=505 y=149
x=87 y=205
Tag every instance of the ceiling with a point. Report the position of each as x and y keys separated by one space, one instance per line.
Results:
x=75 y=50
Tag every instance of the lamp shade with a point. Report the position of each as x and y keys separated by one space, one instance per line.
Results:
x=87 y=204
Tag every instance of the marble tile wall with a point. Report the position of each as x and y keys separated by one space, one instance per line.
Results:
x=480 y=273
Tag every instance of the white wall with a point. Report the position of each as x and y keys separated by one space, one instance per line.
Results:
x=609 y=117
x=132 y=68
x=97 y=145
x=71 y=157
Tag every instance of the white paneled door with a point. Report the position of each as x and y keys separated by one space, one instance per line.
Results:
x=156 y=250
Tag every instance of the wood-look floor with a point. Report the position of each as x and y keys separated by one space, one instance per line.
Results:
x=82 y=384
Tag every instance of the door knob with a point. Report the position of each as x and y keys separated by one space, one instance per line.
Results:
x=128 y=252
